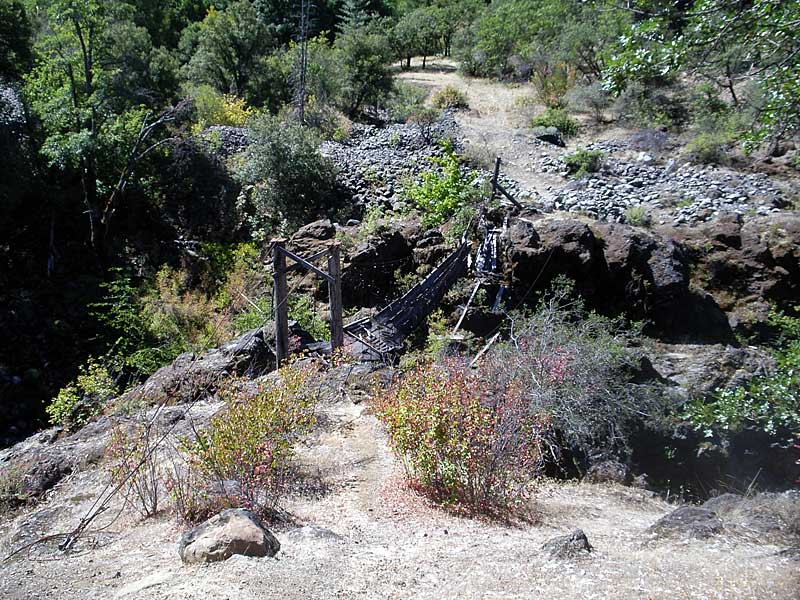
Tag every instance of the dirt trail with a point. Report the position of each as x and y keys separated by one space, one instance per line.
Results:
x=496 y=123
x=361 y=534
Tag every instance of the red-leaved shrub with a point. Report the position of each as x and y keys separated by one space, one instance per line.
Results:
x=464 y=438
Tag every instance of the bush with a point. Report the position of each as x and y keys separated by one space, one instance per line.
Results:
x=245 y=454
x=768 y=402
x=83 y=399
x=575 y=367
x=592 y=99
x=405 y=100
x=463 y=438
x=709 y=148
x=552 y=83
x=440 y=195
x=287 y=180
x=213 y=108
x=12 y=489
x=637 y=216
x=425 y=118
x=558 y=118
x=449 y=97
x=134 y=464
x=584 y=161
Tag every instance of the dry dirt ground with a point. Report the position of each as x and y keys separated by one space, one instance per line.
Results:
x=359 y=533
x=497 y=122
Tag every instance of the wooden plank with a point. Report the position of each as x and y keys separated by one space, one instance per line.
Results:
x=303 y=262
x=280 y=301
x=466 y=308
x=514 y=201
x=335 y=297
x=311 y=258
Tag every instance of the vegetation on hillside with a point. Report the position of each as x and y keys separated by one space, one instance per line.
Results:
x=128 y=200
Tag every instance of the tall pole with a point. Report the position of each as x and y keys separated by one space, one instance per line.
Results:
x=335 y=297
x=280 y=302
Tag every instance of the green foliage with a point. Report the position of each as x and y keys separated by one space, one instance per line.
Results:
x=440 y=194
x=15 y=39
x=760 y=35
x=558 y=118
x=12 y=489
x=583 y=161
x=768 y=402
x=449 y=97
x=227 y=50
x=574 y=366
x=552 y=81
x=419 y=32
x=637 y=216
x=405 y=100
x=214 y=108
x=82 y=400
x=245 y=453
x=364 y=56
x=286 y=178
x=591 y=98
x=302 y=310
x=463 y=438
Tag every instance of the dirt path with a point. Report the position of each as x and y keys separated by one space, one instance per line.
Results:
x=496 y=123
x=361 y=534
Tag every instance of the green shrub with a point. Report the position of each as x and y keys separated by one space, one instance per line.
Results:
x=425 y=118
x=405 y=100
x=464 y=439
x=286 y=179
x=575 y=367
x=12 y=489
x=83 y=399
x=637 y=216
x=213 y=108
x=245 y=454
x=709 y=148
x=584 y=161
x=449 y=97
x=552 y=83
x=768 y=402
x=558 y=118
x=592 y=99
x=440 y=195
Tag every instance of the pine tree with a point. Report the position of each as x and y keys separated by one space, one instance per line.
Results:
x=353 y=14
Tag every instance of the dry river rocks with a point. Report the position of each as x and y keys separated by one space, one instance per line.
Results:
x=233 y=531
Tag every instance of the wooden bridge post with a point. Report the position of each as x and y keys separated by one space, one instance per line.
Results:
x=280 y=301
x=335 y=297
x=495 y=177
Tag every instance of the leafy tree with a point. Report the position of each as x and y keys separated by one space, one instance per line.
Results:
x=364 y=56
x=15 y=43
x=89 y=90
x=754 y=39
x=286 y=179
x=419 y=32
x=228 y=48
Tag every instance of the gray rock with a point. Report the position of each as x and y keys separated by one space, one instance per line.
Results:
x=688 y=521
x=551 y=135
x=608 y=471
x=568 y=546
x=233 y=531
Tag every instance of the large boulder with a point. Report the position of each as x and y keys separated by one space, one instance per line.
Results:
x=687 y=521
x=191 y=374
x=368 y=273
x=233 y=531
x=541 y=249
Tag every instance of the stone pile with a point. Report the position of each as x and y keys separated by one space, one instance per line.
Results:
x=673 y=194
